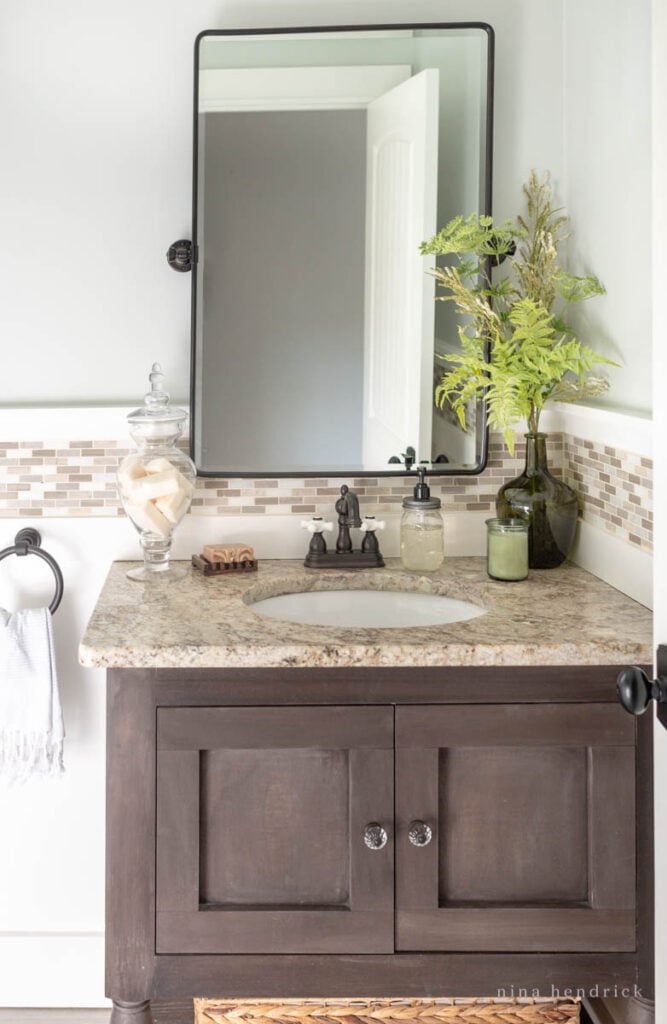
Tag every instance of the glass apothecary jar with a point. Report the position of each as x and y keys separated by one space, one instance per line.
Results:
x=156 y=482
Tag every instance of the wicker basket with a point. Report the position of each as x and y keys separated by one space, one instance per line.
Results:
x=386 y=1011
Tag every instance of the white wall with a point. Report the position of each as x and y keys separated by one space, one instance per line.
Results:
x=95 y=107
x=95 y=103
x=606 y=183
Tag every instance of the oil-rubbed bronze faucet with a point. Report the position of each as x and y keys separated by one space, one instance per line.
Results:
x=344 y=557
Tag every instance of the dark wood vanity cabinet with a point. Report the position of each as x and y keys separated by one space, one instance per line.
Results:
x=391 y=832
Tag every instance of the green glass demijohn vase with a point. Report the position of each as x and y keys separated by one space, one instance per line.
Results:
x=549 y=505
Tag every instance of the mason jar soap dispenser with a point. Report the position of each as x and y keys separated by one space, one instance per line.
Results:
x=422 y=529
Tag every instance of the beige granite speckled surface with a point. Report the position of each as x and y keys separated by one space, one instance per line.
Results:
x=559 y=616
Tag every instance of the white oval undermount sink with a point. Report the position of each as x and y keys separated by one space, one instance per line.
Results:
x=382 y=609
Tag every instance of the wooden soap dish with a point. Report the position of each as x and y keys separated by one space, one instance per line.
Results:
x=224 y=561
x=223 y=568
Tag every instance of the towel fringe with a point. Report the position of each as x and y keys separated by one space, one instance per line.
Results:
x=24 y=754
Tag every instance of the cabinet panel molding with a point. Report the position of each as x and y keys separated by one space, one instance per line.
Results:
x=520 y=929
x=332 y=728
x=512 y=725
x=177 y=846
x=261 y=931
x=612 y=853
x=532 y=812
x=261 y=820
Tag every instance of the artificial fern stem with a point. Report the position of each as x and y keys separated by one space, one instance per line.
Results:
x=533 y=419
x=535 y=355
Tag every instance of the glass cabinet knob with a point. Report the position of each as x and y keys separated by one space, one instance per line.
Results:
x=375 y=836
x=419 y=833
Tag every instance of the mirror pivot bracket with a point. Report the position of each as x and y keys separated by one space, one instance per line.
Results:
x=179 y=255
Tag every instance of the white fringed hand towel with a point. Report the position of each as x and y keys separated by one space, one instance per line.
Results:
x=31 y=719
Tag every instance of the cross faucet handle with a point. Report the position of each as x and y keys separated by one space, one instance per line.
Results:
x=371 y=524
x=316 y=525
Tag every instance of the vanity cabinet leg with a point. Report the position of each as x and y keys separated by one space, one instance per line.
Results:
x=130 y=862
x=131 y=1013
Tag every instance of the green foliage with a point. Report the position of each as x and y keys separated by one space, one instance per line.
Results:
x=472 y=234
x=577 y=289
x=534 y=355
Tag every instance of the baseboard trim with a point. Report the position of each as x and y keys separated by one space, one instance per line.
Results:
x=54 y=970
x=60 y=1016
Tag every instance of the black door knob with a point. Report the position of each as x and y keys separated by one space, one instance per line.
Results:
x=636 y=691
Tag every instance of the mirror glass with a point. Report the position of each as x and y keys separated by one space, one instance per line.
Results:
x=322 y=160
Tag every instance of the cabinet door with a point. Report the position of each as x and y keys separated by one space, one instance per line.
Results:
x=532 y=812
x=261 y=818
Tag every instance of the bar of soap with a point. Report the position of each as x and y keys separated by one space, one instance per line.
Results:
x=129 y=474
x=149 y=518
x=244 y=553
x=157 y=485
x=173 y=506
x=159 y=465
x=229 y=554
x=214 y=553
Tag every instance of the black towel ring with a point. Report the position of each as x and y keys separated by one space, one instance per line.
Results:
x=28 y=542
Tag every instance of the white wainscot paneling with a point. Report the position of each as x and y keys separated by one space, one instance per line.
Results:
x=52 y=856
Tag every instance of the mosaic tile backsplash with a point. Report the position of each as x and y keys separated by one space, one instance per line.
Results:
x=77 y=478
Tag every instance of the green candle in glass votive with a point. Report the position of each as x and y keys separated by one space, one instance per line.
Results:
x=507 y=549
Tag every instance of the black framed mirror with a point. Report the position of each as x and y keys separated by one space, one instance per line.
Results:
x=322 y=158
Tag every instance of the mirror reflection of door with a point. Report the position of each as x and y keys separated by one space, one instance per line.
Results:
x=280 y=324
x=401 y=210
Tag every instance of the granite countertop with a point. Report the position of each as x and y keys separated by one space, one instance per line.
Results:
x=560 y=616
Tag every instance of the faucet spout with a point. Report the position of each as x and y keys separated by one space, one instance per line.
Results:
x=349 y=509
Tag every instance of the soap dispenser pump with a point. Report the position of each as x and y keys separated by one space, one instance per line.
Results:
x=422 y=529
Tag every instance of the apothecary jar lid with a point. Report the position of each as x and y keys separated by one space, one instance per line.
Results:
x=157 y=421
